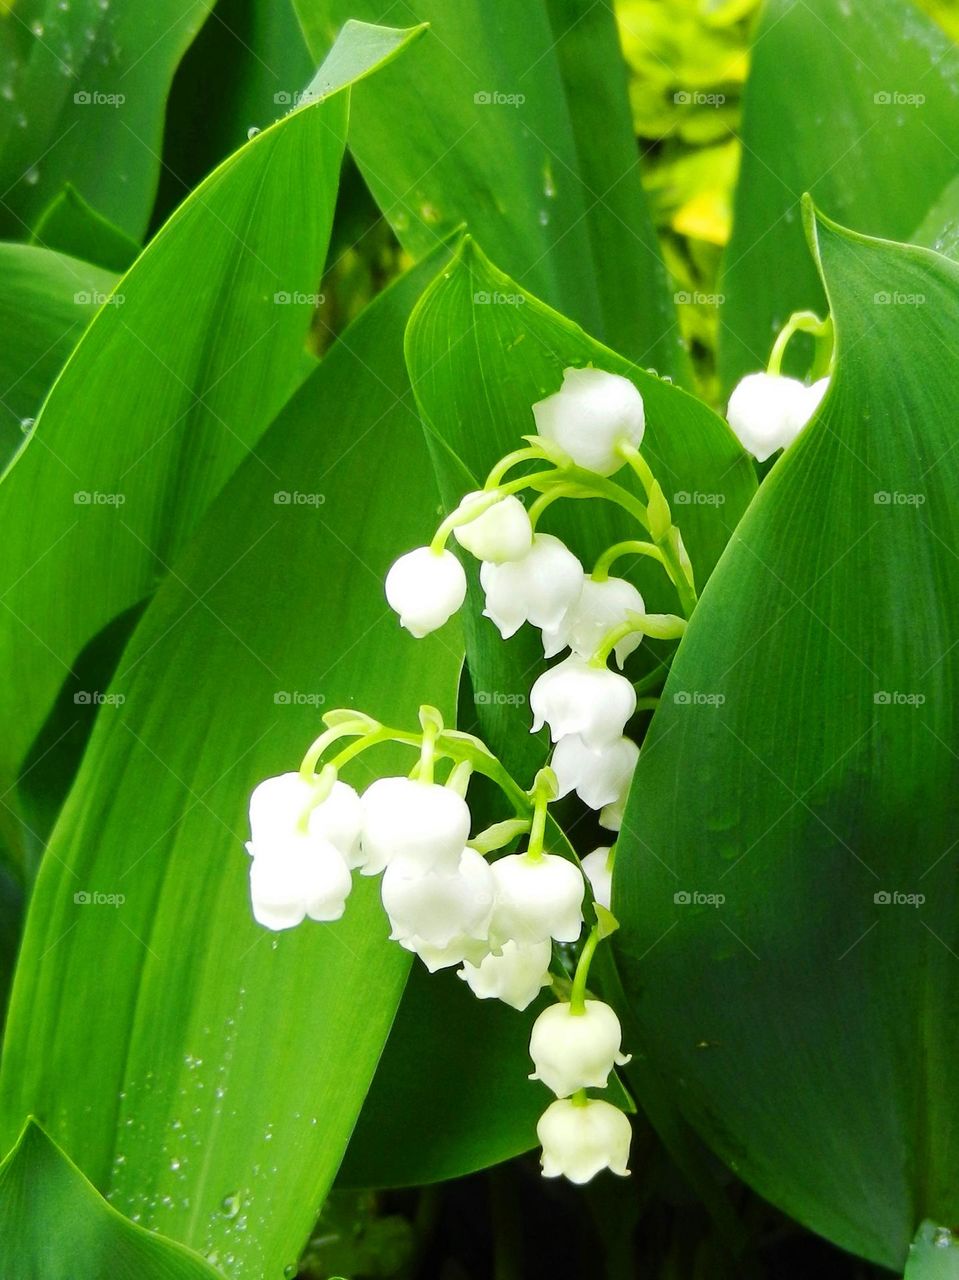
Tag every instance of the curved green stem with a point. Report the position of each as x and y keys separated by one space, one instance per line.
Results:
x=544 y=790
x=664 y=532
x=577 y=995
x=799 y=322
x=660 y=626
x=619 y=549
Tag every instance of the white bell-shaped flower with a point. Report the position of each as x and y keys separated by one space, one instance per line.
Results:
x=599 y=873
x=575 y=697
x=516 y=976
x=599 y=776
x=536 y=899
x=296 y=879
x=419 y=826
x=501 y=534
x=611 y=815
x=425 y=587
x=277 y=806
x=767 y=412
x=590 y=415
x=581 y=1138
x=539 y=588
x=439 y=907
x=601 y=607
x=576 y=1050
x=814 y=396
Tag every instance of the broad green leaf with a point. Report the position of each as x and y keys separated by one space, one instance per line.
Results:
x=857 y=103
x=939 y=229
x=481 y=352
x=205 y=1073
x=786 y=881
x=513 y=118
x=70 y=225
x=54 y=1226
x=451 y=1094
x=173 y=385
x=46 y=302
x=84 y=88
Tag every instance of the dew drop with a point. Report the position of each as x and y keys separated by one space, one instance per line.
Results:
x=252 y=131
x=231 y=1205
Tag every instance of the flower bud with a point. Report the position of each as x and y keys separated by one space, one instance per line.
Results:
x=581 y=1138
x=601 y=607
x=516 y=976
x=500 y=534
x=536 y=899
x=298 y=879
x=576 y=1050
x=419 y=826
x=599 y=776
x=425 y=587
x=537 y=589
x=599 y=873
x=439 y=907
x=590 y=415
x=574 y=697
x=767 y=411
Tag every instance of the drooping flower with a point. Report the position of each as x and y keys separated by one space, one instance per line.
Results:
x=767 y=411
x=283 y=811
x=502 y=533
x=599 y=776
x=425 y=587
x=441 y=911
x=539 y=588
x=576 y=1050
x=536 y=899
x=599 y=873
x=576 y=698
x=418 y=826
x=516 y=976
x=580 y=1138
x=601 y=607
x=296 y=879
x=590 y=415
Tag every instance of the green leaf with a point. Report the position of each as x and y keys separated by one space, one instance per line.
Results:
x=871 y=134
x=54 y=1226
x=499 y=131
x=786 y=882
x=71 y=225
x=230 y=1064
x=46 y=302
x=933 y=1255
x=171 y=388
x=480 y=352
x=85 y=90
x=939 y=229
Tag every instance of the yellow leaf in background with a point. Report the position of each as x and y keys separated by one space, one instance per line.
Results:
x=707 y=216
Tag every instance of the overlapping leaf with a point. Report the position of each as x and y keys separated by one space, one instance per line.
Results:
x=205 y=1073
x=857 y=103
x=500 y=131
x=183 y=369
x=787 y=876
